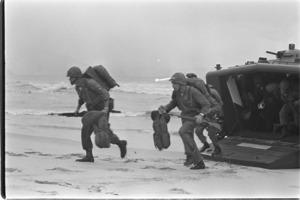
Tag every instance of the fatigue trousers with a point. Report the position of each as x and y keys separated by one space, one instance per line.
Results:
x=212 y=131
x=289 y=115
x=186 y=133
x=89 y=122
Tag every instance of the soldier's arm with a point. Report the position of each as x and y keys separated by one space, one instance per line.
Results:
x=80 y=102
x=171 y=105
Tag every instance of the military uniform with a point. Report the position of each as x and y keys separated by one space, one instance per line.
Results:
x=191 y=102
x=96 y=99
x=97 y=102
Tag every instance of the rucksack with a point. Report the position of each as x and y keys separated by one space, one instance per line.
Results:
x=201 y=86
x=197 y=83
x=100 y=74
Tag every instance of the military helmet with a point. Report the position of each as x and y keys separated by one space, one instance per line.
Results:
x=74 y=72
x=284 y=84
x=178 y=78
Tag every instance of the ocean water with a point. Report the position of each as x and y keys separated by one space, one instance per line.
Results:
x=42 y=97
x=30 y=101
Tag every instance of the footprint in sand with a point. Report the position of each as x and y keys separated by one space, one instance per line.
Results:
x=53 y=183
x=153 y=167
x=15 y=154
x=112 y=193
x=230 y=171
x=166 y=168
x=152 y=179
x=107 y=159
x=95 y=188
x=63 y=170
x=179 y=191
x=12 y=170
x=133 y=160
x=48 y=193
x=121 y=169
x=72 y=155
x=37 y=153
x=149 y=167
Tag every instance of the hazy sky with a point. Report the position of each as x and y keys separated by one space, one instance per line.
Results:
x=145 y=38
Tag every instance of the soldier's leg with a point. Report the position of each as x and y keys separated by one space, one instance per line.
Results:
x=88 y=120
x=114 y=139
x=199 y=132
x=191 y=150
x=212 y=133
x=285 y=119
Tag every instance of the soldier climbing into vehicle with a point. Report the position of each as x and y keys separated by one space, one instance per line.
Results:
x=215 y=116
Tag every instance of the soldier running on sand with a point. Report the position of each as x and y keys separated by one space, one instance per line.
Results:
x=97 y=103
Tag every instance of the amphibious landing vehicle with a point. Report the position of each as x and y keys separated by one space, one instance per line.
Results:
x=253 y=134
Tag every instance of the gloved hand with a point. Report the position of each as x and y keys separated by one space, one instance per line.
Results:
x=161 y=109
x=199 y=118
x=76 y=112
x=104 y=111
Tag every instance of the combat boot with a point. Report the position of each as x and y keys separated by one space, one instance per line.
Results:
x=199 y=165
x=204 y=147
x=123 y=149
x=189 y=160
x=88 y=158
x=217 y=151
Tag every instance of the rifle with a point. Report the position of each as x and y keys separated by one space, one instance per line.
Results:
x=205 y=122
x=182 y=116
x=72 y=114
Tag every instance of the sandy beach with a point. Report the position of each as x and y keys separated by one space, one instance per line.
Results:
x=40 y=163
x=141 y=44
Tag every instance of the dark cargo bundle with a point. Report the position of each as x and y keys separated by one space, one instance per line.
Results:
x=161 y=136
x=101 y=133
x=102 y=139
x=100 y=74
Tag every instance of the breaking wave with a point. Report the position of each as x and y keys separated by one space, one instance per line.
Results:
x=125 y=87
x=42 y=87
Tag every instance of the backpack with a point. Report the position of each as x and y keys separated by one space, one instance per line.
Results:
x=201 y=86
x=100 y=74
x=197 y=83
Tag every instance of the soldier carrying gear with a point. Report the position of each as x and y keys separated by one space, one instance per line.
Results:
x=97 y=103
x=192 y=103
